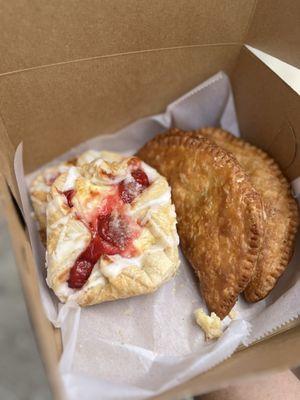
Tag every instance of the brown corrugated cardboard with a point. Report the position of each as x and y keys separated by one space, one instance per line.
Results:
x=268 y=111
x=275 y=29
x=44 y=32
x=64 y=104
x=70 y=71
x=6 y=158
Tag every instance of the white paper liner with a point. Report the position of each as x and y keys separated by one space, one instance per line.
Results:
x=142 y=346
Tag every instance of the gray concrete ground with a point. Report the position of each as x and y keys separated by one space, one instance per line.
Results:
x=21 y=372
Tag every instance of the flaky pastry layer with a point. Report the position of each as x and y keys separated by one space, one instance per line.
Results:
x=114 y=276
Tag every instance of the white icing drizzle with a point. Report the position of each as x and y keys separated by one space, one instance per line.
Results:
x=96 y=278
x=65 y=292
x=113 y=269
x=108 y=181
x=106 y=168
x=61 y=221
x=54 y=205
x=73 y=240
x=149 y=171
x=39 y=202
x=40 y=186
x=168 y=240
x=99 y=162
x=88 y=156
x=72 y=175
x=41 y=183
x=154 y=203
x=155 y=248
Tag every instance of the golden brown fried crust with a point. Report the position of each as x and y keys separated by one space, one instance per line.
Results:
x=219 y=214
x=281 y=210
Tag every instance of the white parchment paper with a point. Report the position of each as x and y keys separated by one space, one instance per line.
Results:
x=139 y=347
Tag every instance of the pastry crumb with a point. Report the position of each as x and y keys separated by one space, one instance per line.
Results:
x=211 y=325
x=128 y=311
x=233 y=314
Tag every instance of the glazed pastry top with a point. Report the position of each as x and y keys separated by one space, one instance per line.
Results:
x=104 y=217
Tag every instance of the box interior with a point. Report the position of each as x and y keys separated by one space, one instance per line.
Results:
x=74 y=72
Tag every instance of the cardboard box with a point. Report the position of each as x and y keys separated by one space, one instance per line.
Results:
x=73 y=70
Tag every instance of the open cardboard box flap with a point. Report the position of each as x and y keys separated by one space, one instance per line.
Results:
x=275 y=29
x=78 y=70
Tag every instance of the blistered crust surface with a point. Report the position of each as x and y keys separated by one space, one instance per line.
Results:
x=281 y=211
x=113 y=277
x=219 y=214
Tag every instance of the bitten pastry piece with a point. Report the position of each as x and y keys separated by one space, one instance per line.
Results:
x=40 y=186
x=219 y=214
x=281 y=211
x=211 y=325
x=111 y=231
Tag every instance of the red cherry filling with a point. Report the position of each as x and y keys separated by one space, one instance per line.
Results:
x=69 y=194
x=84 y=264
x=112 y=236
x=112 y=232
x=128 y=191
x=114 y=229
x=140 y=177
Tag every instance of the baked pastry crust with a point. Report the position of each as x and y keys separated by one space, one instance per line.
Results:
x=155 y=259
x=219 y=214
x=39 y=189
x=280 y=209
x=41 y=185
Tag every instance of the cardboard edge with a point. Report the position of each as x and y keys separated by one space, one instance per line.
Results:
x=253 y=105
x=284 y=328
x=47 y=337
x=6 y=160
x=270 y=29
x=245 y=48
x=223 y=374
